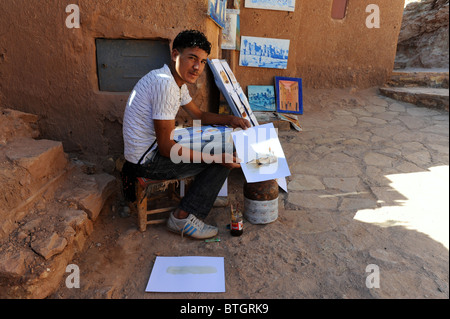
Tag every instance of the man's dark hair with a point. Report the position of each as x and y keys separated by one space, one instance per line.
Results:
x=191 y=39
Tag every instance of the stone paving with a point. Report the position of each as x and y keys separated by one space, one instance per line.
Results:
x=349 y=152
x=368 y=158
x=352 y=149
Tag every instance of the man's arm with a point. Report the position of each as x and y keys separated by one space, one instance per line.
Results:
x=164 y=129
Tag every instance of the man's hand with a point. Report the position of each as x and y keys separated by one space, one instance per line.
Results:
x=227 y=160
x=236 y=122
x=230 y=161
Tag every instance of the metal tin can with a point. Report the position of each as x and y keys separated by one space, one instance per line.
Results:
x=261 y=202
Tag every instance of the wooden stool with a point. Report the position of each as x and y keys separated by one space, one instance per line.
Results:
x=149 y=190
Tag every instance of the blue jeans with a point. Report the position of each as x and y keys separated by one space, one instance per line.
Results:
x=202 y=192
x=209 y=178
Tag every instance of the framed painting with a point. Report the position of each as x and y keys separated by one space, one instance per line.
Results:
x=217 y=11
x=264 y=52
x=262 y=97
x=231 y=35
x=289 y=95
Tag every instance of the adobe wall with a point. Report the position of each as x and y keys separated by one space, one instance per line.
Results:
x=50 y=70
x=324 y=52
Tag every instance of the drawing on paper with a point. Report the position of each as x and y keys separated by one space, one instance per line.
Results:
x=264 y=52
x=261 y=153
x=194 y=270
x=187 y=274
x=264 y=159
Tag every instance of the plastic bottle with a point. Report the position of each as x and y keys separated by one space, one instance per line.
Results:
x=237 y=222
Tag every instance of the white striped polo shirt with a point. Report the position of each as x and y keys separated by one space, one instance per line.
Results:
x=155 y=97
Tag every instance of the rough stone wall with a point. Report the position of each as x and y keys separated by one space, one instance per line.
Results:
x=50 y=70
x=424 y=36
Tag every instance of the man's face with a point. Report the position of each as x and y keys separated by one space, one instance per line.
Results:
x=189 y=64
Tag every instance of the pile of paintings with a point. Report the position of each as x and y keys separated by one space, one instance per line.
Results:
x=231 y=90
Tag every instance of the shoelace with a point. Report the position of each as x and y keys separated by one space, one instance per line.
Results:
x=197 y=223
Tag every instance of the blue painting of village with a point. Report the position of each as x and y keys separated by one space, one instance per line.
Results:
x=261 y=97
x=284 y=5
x=264 y=52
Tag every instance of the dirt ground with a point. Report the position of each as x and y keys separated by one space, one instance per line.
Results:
x=351 y=143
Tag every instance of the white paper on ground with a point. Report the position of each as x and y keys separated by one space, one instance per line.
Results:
x=187 y=274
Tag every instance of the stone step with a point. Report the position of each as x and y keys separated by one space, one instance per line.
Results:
x=30 y=170
x=436 y=98
x=34 y=257
x=15 y=124
x=43 y=159
x=417 y=77
x=87 y=192
x=47 y=208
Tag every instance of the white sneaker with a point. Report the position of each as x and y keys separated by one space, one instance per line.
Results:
x=191 y=226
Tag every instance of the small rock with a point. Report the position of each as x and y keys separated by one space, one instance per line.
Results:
x=50 y=246
x=12 y=264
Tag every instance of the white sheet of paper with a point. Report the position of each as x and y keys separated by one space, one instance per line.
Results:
x=282 y=183
x=256 y=142
x=187 y=274
x=224 y=190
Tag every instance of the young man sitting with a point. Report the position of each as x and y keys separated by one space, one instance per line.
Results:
x=149 y=121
